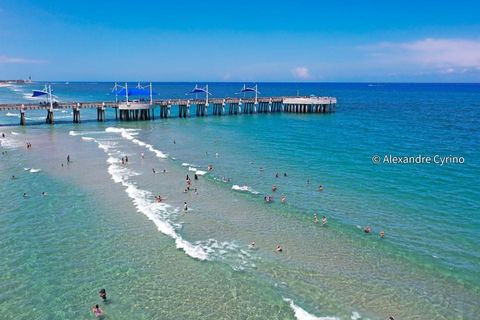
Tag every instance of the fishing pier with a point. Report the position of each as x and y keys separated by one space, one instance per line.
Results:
x=149 y=109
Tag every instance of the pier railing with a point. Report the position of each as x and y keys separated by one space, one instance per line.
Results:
x=143 y=110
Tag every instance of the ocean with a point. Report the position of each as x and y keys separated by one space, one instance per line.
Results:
x=100 y=227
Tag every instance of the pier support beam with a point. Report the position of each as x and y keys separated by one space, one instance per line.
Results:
x=100 y=114
x=22 y=116
x=50 y=119
x=76 y=115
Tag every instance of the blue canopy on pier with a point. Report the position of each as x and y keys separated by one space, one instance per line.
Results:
x=248 y=90
x=134 y=92
x=197 y=90
x=38 y=93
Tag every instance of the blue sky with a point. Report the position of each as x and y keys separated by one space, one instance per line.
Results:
x=412 y=41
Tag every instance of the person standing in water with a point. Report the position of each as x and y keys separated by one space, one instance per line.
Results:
x=97 y=311
x=185 y=208
x=103 y=294
x=315 y=218
x=324 y=221
x=68 y=158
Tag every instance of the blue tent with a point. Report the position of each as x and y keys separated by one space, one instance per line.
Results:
x=38 y=93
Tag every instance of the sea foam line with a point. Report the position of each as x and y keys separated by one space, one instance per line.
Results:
x=129 y=134
x=301 y=314
x=158 y=213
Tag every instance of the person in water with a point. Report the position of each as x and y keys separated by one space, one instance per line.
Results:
x=382 y=234
x=276 y=175
x=283 y=199
x=320 y=188
x=324 y=221
x=13 y=177
x=284 y=174
x=68 y=158
x=44 y=193
x=315 y=218
x=97 y=311
x=367 y=229
x=195 y=176
x=185 y=208
x=153 y=169
x=103 y=294
x=252 y=245
x=279 y=249
x=274 y=188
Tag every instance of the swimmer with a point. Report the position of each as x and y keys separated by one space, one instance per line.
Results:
x=367 y=229
x=97 y=311
x=276 y=175
x=103 y=294
x=126 y=159
x=153 y=169
x=68 y=158
x=185 y=190
x=185 y=208
x=3 y=135
x=187 y=178
x=174 y=142
x=320 y=188
x=382 y=234
x=274 y=188
x=13 y=177
x=315 y=218
x=44 y=193
x=195 y=176
x=285 y=174
x=251 y=245
x=283 y=199
x=25 y=195
x=195 y=191
x=391 y=318
x=62 y=165
x=279 y=249
x=324 y=221
x=164 y=171
x=142 y=155
x=158 y=198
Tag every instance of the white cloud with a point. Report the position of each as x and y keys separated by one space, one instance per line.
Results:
x=7 y=59
x=301 y=73
x=446 y=56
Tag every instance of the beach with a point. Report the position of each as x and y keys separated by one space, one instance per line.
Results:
x=100 y=226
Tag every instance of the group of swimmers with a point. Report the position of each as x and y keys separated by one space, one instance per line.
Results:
x=324 y=219
x=97 y=311
x=125 y=160
x=253 y=246
x=28 y=145
x=368 y=230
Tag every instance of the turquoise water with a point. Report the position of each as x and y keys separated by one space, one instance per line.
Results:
x=98 y=226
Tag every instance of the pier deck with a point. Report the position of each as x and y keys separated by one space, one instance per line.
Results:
x=218 y=106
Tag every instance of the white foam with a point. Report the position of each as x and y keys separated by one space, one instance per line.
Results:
x=9 y=114
x=301 y=314
x=10 y=143
x=129 y=135
x=192 y=169
x=355 y=316
x=244 y=189
x=88 y=138
x=73 y=133
x=158 y=213
x=200 y=172
x=185 y=164
x=33 y=170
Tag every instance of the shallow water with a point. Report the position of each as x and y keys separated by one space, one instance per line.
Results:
x=99 y=227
